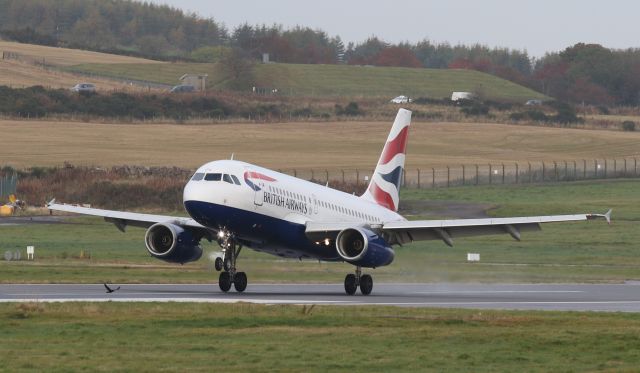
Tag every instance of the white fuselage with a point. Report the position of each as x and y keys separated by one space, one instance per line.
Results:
x=263 y=206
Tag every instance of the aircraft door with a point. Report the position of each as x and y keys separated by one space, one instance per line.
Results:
x=259 y=195
x=315 y=203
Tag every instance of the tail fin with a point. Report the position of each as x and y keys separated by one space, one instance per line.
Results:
x=384 y=188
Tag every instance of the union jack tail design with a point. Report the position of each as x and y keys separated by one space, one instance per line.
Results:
x=384 y=188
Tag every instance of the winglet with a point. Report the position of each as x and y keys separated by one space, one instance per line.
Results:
x=606 y=216
x=51 y=202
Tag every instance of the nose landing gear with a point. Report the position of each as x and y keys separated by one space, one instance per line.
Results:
x=230 y=276
x=353 y=281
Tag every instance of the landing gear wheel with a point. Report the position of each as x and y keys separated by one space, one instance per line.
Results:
x=224 y=281
x=227 y=264
x=218 y=264
x=350 y=284
x=366 y=284
x=240 y=281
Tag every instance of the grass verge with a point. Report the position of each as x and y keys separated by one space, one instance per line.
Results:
x=245 y=337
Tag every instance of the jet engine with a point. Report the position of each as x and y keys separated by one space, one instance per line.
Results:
x=172 y=243
x=362 y=247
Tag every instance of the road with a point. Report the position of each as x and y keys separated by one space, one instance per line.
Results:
x=571 y=297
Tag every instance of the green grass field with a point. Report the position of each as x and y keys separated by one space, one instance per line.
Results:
x=330 y=80
x=572 y=252
x=152 y=337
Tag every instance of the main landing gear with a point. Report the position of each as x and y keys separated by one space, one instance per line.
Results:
x=352 y=281
x=227 y=264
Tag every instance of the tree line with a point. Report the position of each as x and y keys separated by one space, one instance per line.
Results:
x=583 y=73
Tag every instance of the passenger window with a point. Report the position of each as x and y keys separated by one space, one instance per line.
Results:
x=198 y=176
x=213 y=177
x=227 y=178
x=235 y=180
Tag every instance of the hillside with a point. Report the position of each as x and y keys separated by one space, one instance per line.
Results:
x=330 y=80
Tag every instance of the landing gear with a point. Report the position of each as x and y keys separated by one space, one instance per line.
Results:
x=352 y=281
x=230 y=276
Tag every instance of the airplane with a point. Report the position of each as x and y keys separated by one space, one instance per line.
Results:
x=241 y=205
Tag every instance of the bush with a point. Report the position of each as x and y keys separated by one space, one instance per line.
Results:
x=352 y=109
x=628 y=126
x=476 y=109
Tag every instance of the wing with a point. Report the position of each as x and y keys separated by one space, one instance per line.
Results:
x=122 y=219
x=401 y=232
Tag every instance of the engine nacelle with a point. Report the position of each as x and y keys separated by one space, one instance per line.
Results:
x=362 y=247
x=172 y=243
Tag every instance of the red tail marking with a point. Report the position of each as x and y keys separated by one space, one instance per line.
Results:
x=395 y=146
x=383 y=198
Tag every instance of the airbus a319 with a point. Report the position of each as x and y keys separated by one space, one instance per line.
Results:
x=241 y=205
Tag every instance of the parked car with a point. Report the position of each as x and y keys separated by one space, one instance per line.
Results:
x=84 y=87
x=401 y=100
x=459 y=96
x=183 y=88
x=534 y=103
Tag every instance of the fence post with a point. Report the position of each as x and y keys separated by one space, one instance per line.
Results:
x=605 y=168
x=595 y=168
x=625 y=167
x=342 y=176
x=326 y=172
x=418 y=178
x=575 y=170
x=565 y=170
x=615 y=167
x=635 y=166
x=555 y=169
x=448 y=176
x=357 y=177
x=517 y=173
x=463 y=175
x=584 y=169
x=295 y=173
x=530 y=173
x=433 y=173
x=312 y=176
x=477 y=174
x=544 y=171
x=490 y=174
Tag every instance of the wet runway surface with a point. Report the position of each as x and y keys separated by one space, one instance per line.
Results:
x=569 y=297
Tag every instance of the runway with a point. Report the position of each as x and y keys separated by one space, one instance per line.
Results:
x=572 y=297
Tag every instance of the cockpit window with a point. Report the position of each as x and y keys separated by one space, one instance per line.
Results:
x=227 y=178
x=213 y=177
x=198 y=176
x=235 y=180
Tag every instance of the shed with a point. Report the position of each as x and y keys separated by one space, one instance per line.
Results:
x=197 y=81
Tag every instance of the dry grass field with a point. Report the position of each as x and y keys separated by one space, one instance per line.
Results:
x=324 y=145
x=65 y=57
x=18 y=74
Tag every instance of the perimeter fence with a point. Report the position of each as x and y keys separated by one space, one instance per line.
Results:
x=486 y=173
x=8 y=184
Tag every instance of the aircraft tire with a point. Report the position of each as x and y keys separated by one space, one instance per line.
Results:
x=240 y=282
x=224 y=281
x=366 y=284
x=350 y=284
x=219 y=264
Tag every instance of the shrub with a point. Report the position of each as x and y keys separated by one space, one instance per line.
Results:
x=352 y=109
x=476 y=109
x=628 y=126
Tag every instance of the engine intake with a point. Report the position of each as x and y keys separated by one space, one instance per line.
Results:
x=362 y=247
x=172 y=243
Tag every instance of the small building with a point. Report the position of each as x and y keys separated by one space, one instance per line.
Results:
x=457 y=96
x=197 y=81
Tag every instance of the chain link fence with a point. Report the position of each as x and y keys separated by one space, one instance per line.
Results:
x=8 y=185
x=486 y=174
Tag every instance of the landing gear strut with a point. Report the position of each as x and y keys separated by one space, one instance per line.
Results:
x=352 y=281
x=230 y=276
